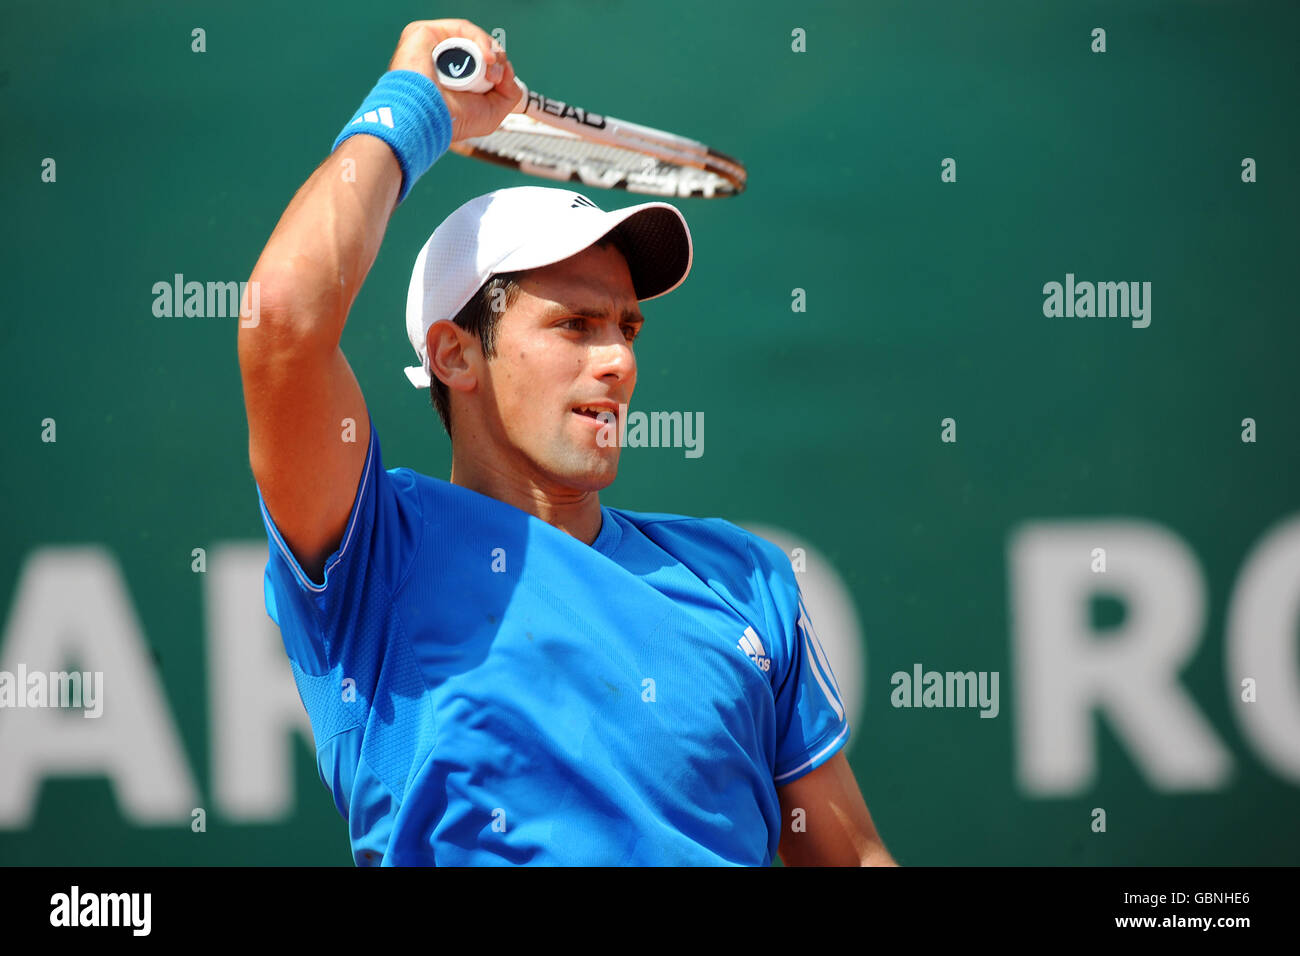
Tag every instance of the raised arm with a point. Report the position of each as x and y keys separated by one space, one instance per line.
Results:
x=299 y=390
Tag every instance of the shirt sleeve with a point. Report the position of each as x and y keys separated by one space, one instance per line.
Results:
x=812 y=725
x=335 y=621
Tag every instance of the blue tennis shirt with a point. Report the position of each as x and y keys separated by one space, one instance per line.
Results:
x=484 y=688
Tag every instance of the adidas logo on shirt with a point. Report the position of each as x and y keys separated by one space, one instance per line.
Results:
x=753 y=648
x=382 y=116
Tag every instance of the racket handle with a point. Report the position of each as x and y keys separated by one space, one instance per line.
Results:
x=461 y=67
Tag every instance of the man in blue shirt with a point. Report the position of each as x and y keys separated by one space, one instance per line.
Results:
x=499 y=669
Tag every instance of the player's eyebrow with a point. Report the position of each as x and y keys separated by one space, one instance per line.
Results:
x=629 y=314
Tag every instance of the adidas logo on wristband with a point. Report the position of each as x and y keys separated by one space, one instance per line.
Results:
x=383 y=116
x=414 y=122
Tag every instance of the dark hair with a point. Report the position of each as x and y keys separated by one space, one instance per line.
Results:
x=482 y=313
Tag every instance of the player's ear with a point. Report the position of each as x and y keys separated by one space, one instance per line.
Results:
x=454 y=355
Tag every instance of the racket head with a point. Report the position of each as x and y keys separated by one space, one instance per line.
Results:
x=640 y=164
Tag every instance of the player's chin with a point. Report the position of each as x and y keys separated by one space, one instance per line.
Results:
x=602 y=470
x=592 y=468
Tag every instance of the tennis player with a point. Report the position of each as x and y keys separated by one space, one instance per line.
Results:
x=497 y=668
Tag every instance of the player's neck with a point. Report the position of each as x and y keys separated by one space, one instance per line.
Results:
x=573 y=511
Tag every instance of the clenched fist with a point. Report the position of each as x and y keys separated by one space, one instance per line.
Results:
x=472 y=114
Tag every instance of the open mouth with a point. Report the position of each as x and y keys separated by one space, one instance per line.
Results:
x=600 y=414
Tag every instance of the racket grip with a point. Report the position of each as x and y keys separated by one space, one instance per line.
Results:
x=461 y=67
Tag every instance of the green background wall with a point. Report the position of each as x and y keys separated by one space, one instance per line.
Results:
x=924 y=301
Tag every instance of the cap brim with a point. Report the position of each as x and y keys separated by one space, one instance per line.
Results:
x=658 y=242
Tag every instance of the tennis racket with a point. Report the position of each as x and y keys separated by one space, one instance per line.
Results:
x=549 y=138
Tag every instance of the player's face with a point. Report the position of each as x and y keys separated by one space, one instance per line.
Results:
x=566 y=342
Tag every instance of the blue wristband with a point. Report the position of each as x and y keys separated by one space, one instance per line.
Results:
x=406 y=110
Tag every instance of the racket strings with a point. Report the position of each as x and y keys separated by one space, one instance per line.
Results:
x=555 y=155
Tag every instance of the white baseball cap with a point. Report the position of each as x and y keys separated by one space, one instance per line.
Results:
x=526 y=227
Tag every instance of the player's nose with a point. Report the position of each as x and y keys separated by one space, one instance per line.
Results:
x=612 y=355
